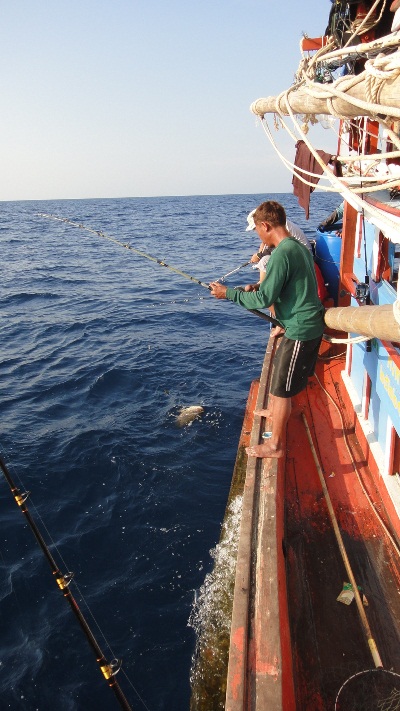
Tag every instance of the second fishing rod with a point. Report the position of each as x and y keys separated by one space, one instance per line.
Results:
x=160 y=262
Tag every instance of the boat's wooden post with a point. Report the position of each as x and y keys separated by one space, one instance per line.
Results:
x=373 y=321
x=303 y=102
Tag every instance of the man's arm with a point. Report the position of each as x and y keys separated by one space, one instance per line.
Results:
x=269 y=289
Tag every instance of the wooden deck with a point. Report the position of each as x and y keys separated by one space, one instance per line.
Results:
x=293 y=645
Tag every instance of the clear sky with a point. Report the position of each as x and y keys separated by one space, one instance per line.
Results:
x=118 y=98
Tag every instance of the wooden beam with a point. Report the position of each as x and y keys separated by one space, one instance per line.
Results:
x=302 y=102
x=374 y=321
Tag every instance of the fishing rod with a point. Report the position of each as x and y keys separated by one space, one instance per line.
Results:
x=161 y=262
x=339 y=539
x=108 y=669
x=233 y=271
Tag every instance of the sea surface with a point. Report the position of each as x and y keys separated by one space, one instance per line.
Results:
x=100 y=348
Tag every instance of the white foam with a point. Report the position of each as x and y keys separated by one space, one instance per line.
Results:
x=212 y=606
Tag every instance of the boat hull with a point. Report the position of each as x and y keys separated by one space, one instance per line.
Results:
x=293 y=645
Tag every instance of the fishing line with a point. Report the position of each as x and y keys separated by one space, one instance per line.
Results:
x=161 y=262
x=99 y=233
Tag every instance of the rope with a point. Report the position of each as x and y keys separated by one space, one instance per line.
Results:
x=348 y=159
x=376 y=71
x=360 y=50
x=362 y=673
x=326 y=54
x=322 y=92
x=356 y=339
x=368 y=23
x=385 y=223
x=384 y=66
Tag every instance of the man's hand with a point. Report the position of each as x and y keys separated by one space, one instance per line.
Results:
x=218 y=290
x=251 y=287
x=277 y=331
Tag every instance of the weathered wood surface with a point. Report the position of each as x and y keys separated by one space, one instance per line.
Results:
x=302 y=102
x=246 y=680
x=374 y=321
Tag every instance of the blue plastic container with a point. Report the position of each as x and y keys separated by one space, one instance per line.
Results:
x=328 y=246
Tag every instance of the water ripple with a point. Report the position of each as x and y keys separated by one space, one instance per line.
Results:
x=100 y=348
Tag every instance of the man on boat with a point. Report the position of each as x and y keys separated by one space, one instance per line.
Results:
x=292 y=288
x=332 y=219
x=261 y=258
x=294 y=231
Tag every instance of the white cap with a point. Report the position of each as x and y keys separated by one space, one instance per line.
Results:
x=251 y=225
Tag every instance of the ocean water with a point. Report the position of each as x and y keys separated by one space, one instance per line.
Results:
x=99 y=350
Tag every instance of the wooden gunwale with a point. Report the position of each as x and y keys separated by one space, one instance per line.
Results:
x=292 y=644
x=240 y=654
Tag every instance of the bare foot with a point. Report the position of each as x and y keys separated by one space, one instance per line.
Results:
x=264 y=450
x=263 y=413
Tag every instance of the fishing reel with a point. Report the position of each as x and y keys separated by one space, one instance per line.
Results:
x=361 y=292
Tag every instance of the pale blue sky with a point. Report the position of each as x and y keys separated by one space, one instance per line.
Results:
x=117 y=98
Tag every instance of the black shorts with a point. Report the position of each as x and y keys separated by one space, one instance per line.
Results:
x=294 y=363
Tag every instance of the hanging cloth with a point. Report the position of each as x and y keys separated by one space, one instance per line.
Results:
x=305 y=161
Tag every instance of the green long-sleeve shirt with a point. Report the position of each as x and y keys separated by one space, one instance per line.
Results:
x=290 y=284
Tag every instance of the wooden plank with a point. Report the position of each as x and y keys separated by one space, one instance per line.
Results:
x=237 y=680
x=302 y=101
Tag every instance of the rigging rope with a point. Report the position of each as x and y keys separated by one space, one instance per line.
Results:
x=367 y=23
x=376 y=216
x=383 y=62
x=345 y=53
x=346 y=180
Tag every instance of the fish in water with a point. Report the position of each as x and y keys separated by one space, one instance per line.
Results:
x=188 y=414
